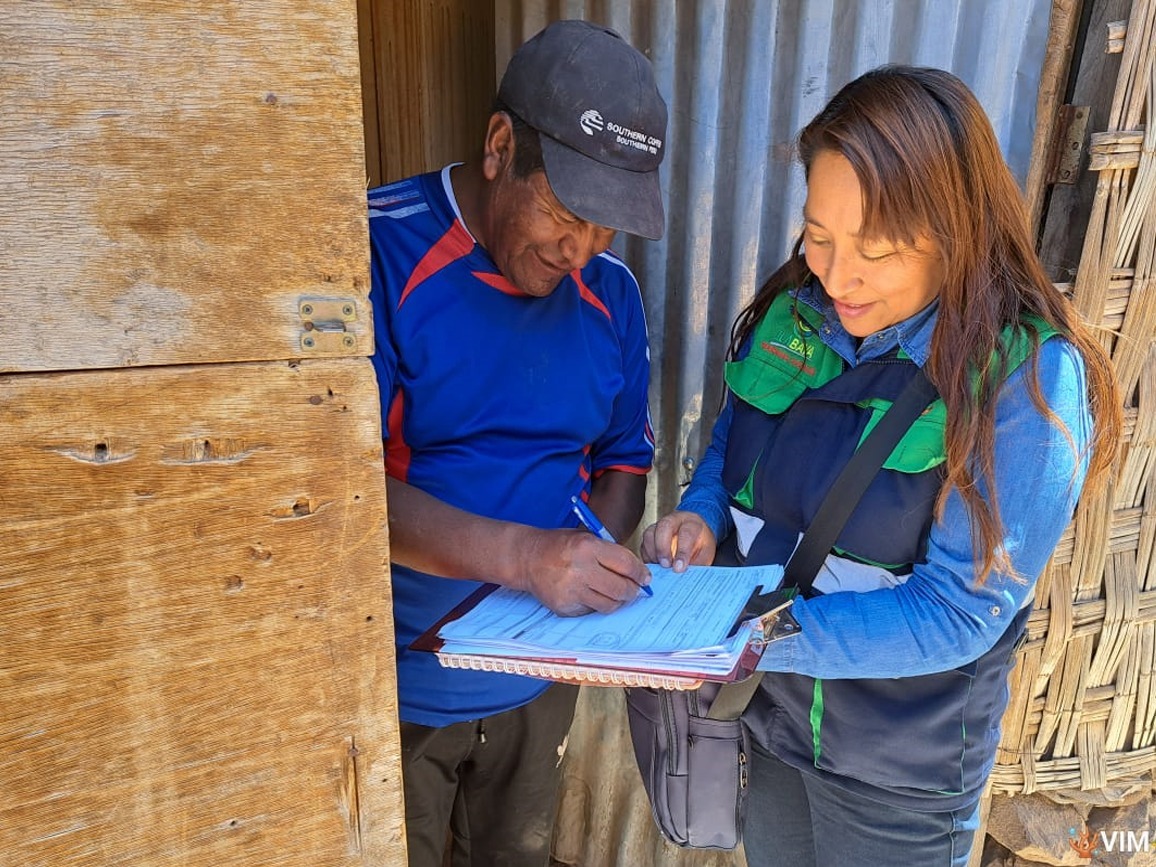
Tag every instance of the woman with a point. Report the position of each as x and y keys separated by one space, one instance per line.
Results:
x=876 y=725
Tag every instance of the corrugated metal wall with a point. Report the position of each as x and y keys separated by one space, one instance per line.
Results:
x=741 y=77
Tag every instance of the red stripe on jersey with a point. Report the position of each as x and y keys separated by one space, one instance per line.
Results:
x=499 y=282
x=623 y=468
x=450 y=247
x=397 y=450
x=586 y=295
x=584 y=467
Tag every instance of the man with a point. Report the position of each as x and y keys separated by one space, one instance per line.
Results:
x=513 y=366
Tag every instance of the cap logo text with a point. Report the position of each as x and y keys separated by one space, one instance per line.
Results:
x=591 y=121
x=635 y=139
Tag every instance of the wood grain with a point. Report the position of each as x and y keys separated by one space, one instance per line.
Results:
x=197 y=660
x=1069 y=209
x=175 y=177
x=433 y=83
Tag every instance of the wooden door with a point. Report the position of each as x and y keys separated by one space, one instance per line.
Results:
x=197 y=662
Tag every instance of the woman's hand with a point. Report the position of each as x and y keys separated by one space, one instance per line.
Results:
x=680 y=539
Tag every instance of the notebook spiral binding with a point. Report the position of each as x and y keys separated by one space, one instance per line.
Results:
x=565 y=671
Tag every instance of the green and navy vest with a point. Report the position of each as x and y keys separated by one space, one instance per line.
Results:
x=799 y=415
x=923 y=742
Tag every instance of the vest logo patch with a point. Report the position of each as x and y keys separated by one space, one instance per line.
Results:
x=795 y=352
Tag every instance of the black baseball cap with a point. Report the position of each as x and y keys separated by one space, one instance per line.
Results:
x=601 y=120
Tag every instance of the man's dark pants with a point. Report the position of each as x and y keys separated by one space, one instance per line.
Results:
x=492 y=782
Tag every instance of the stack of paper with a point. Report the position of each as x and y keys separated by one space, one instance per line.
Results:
x=689 y=630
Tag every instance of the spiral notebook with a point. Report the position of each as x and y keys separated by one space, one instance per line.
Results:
x=695 y=627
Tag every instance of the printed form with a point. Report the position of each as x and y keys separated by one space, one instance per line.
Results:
x=691 y=614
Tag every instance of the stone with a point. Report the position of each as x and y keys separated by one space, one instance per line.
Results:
x=1037 y=829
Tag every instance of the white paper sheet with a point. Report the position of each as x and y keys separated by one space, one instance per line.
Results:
x=688 y=618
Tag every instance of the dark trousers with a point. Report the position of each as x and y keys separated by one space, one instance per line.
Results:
x=801 y=820
x=490 y=785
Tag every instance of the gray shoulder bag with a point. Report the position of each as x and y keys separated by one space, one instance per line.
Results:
x=691 y=745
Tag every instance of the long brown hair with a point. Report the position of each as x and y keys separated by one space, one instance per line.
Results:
x=929 y=164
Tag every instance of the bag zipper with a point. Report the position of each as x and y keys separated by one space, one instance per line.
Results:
x=743 y=781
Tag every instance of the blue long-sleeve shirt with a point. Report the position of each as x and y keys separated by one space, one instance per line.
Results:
x=939 y=618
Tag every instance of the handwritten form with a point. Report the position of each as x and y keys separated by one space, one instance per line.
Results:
x=686 y=623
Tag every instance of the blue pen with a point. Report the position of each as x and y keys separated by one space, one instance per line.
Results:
x=590 y=521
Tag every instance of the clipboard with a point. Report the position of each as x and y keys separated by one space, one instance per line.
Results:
x=766 y=614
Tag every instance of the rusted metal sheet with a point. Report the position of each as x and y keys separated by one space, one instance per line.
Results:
x=175 y=177
x=197 y=662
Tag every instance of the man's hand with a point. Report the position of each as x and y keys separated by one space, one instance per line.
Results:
x=572 y=572
x=680 y=539
x=569 y=571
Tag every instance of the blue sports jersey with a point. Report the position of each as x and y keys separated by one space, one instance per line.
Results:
x=501 y=404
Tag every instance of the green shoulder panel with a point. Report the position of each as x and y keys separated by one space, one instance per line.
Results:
x=786 y=358
x=1019 y=341
x=923 y=446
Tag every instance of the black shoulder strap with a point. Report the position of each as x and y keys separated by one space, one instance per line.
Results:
x=851 y=484
x=833 y=513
